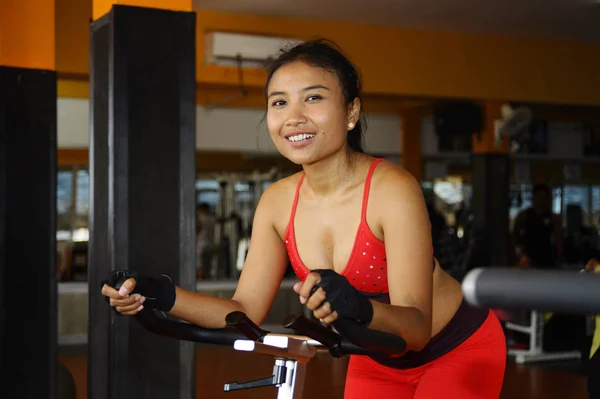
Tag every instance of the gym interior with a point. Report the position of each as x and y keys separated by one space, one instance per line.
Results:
x=125 y=125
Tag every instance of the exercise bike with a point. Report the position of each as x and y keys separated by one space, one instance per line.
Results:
x=292 y=352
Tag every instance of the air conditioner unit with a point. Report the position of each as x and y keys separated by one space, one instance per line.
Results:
x=224 y=48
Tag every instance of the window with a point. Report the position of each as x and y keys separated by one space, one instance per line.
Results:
x=520 y=199
x=577 y=195
x=72 y=208
x=82 y=206
x=64 y=203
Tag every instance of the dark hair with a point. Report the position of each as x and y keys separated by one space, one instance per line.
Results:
x=325 y=54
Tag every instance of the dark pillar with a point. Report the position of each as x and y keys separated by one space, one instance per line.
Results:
x=490 y=202
x=412 y=159
x=142 y=174
x=28 y=285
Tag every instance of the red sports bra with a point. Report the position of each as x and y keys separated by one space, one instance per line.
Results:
x=366 y=269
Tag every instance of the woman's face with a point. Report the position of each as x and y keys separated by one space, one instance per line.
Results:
x=306 y=113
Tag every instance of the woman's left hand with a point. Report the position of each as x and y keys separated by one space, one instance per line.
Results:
x=316 y=302
x=335 y=297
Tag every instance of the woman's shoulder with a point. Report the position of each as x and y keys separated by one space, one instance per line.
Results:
x=284 y=185
x=394 y=189
x=391 y=178
x=276 y=201
x=281 y=190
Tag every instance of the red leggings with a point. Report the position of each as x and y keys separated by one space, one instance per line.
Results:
x=474 y=369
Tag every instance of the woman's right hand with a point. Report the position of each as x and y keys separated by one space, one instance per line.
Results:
x=128 y=305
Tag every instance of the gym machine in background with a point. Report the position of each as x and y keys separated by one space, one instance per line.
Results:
x=233 y=197
x=537 y=291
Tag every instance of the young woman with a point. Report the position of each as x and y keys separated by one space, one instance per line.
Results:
x=354 y=227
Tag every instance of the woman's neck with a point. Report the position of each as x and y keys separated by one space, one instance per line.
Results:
x=332 y=174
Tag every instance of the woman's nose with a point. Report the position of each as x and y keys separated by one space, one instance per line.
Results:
x=295 y=116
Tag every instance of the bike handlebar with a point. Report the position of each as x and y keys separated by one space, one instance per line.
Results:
x=186 y=331
x=242 y=323
x=351 y=338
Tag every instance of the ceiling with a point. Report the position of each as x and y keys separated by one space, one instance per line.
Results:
x=567 y=19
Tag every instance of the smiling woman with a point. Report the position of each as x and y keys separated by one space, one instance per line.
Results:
x=310 y=87
x=357 y=233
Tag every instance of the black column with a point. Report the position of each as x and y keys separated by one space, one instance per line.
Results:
x=142 y=174
x=28 y=285
x=490 y=204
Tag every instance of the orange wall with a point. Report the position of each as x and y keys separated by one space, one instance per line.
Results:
x=407 y=63
x=27 y=34
x=102 y=7
x=429 y=63
x=73 y=37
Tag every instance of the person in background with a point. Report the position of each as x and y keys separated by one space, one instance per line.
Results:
x=537 y=232
x=205 y=240
x=581 y=241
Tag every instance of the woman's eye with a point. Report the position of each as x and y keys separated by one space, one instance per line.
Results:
x=278 y=103
x=314 y=97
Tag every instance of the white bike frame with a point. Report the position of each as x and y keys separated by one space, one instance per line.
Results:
x=292 y=355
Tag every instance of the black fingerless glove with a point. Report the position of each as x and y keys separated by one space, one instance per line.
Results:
x=158 y=291
x=346 y=300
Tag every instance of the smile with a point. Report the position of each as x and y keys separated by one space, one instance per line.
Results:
x=300 y=137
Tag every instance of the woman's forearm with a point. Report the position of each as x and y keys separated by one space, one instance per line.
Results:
x=203 y=310
x=408 y=322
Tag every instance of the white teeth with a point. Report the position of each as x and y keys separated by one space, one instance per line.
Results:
x=301 y=137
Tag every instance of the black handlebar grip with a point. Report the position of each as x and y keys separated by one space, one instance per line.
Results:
x=162 y=326
x=117 y=278
x=242 y=323
x=371 y=340
x=312 y=330
x=186 y=331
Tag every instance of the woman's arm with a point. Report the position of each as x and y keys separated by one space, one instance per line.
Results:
x=260 y=279
x=407 y=235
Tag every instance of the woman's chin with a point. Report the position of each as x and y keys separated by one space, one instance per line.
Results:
x=298 y=158
x=306 y=158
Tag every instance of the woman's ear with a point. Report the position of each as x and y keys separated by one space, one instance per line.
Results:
x=354 y=112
